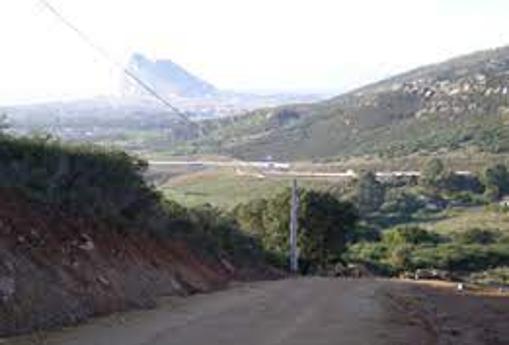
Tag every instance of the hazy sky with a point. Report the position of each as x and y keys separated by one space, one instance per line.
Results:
x=297 y=45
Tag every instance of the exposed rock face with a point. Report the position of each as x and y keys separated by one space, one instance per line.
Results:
x=166 y=78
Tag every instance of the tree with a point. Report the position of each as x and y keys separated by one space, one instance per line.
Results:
x=433 y=173
x=325 y=225
x=402 y=202
x=369 y=192
x=496 y=181
x=250 y=217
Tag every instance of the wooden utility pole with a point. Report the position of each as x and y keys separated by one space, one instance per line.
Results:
x=294 y=211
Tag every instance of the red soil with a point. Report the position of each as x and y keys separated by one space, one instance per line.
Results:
x=66 y=269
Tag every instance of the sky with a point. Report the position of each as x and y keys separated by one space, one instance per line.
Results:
x=247 y=45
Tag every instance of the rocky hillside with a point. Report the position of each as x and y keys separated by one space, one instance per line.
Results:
x=476 y=84
x=452 y=105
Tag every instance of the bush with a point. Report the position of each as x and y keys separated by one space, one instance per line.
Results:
x=402 y=202
x=433 y=173
x=372 y=254
x=467 y=198
x=366 y=252
x=496 y=180
x=478 y=236
x=108 y=186
x=410 y=248
x=457 y=257
x=413 y=235
x=325 y=225
x=446 y=256
x=364 y=233
x=212 y=229
x=497 y=276
x=84 y=180
x=462 y=183
x=369 y=192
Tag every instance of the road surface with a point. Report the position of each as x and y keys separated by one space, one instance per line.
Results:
x=311 y=311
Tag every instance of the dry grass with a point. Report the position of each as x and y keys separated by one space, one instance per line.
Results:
x=451 y=287
x=459 y=220
x=224 y=188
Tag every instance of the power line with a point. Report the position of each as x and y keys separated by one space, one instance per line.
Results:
x=115 y=63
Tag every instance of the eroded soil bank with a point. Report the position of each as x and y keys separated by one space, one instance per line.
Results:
x=58 y=270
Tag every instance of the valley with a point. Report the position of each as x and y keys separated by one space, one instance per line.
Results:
x=400 y=211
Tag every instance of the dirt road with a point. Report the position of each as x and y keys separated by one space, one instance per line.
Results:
x=310 y=311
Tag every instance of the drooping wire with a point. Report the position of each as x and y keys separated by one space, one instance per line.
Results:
x=115 y=63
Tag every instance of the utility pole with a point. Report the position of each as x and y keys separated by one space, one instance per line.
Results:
x=294 y=211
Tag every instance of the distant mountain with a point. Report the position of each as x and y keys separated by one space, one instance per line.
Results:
x=108 y=118
x=166 y=78
x=461 y=103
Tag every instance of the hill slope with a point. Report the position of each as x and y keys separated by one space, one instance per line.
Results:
x=456 y=104
x=167 y=78
x=82 y=234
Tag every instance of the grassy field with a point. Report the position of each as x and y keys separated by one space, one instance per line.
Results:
x=461 y=219
x=225 y=188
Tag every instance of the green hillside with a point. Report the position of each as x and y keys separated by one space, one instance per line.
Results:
x=456 y=104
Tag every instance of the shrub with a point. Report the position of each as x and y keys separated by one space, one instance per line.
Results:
x=496 y=180
x=366 y=252
x=495 y=276
x=217 y=230
x=108 y=186
x=409 y=235
x=402 y=202
x=467 y=198
x=457 y=257
x=462 y=183
x=85 y=180
x=369 y=193
x=325 y=225
x=372 y=254
x=433 y=173
x=478 y=236
x=364 y=233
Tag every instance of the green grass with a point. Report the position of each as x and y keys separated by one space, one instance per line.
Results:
x=458 y=220
x=322 y=133
x=225 y=189
x=219 y=189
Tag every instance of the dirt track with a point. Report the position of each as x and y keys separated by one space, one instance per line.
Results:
x=310 y=311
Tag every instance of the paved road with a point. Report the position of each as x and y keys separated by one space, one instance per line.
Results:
x=311 y=311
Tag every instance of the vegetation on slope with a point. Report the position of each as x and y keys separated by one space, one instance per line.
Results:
x=325 y=226
x=108 y=186
x=402 y=226
x=458 y=104
x=83 y=234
